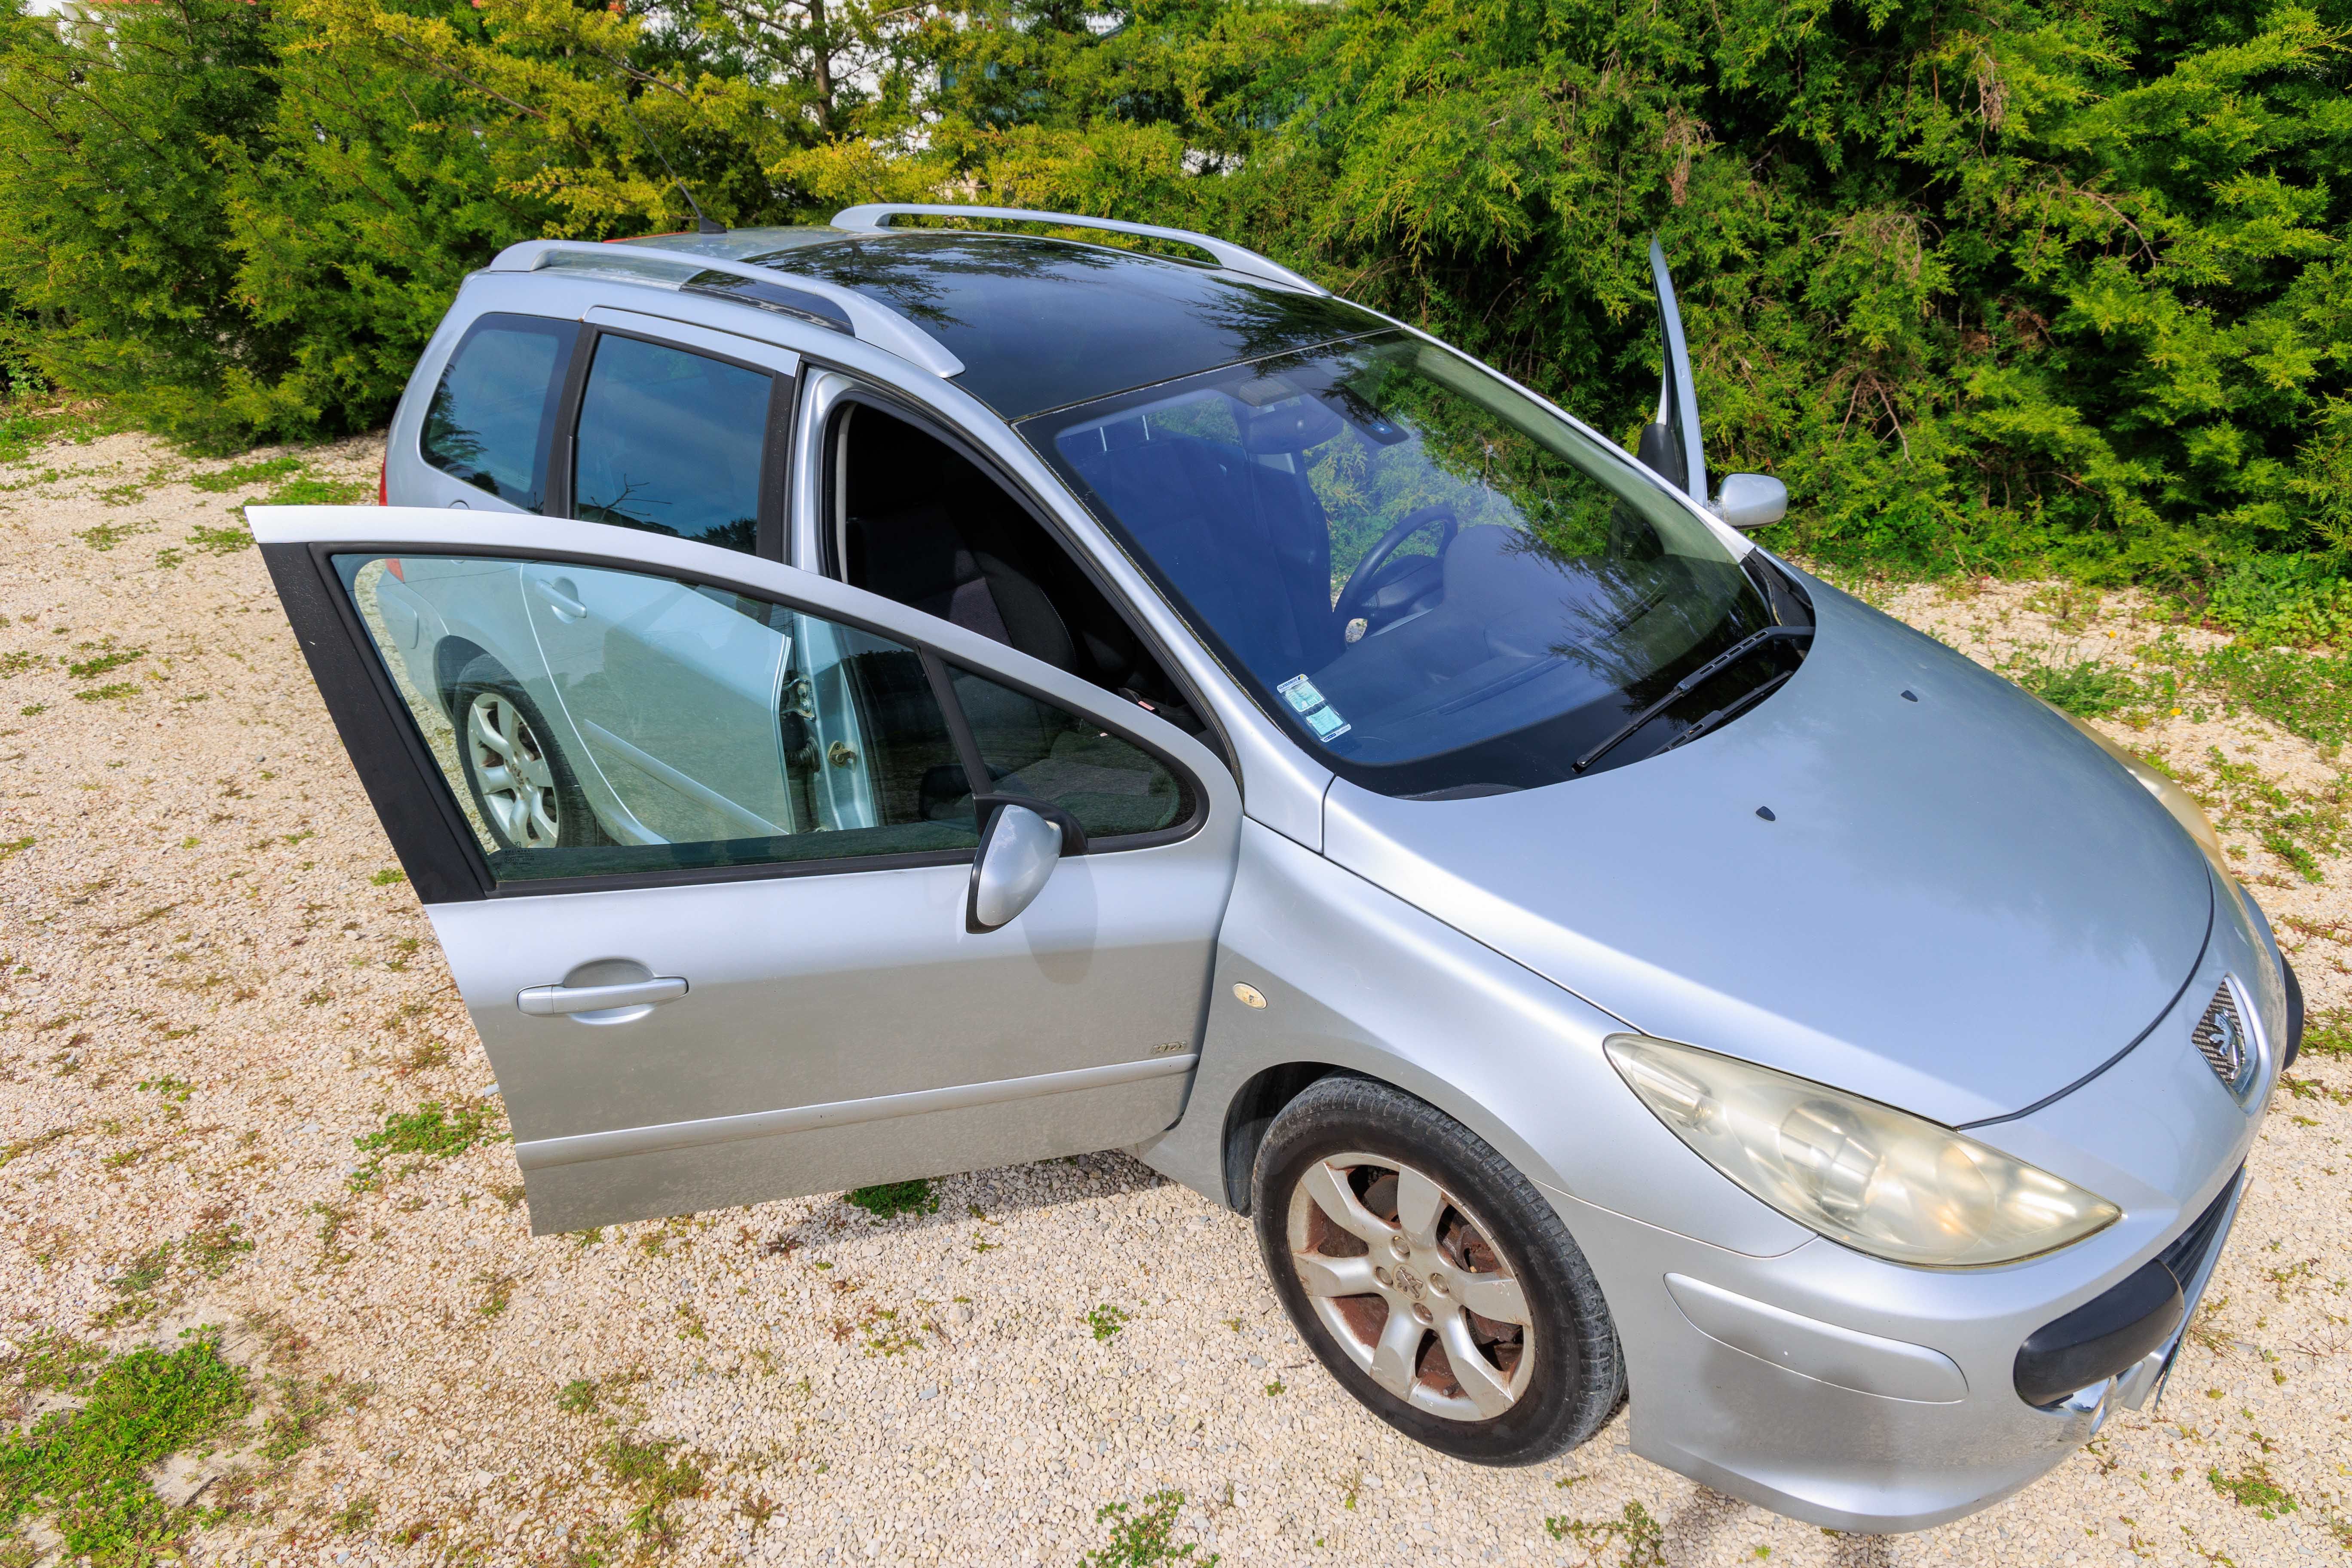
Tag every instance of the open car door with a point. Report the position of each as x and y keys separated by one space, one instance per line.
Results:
x=1670 y=444
x=771 y=885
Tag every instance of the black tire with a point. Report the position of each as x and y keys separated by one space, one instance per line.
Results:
x=560 y=797
x=1575 y=1380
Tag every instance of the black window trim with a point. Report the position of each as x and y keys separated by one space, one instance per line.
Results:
x=395 y=761
x=774 y=519
x=885 y=400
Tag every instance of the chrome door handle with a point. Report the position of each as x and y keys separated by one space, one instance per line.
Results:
x=553 y=1001
x=561 y=603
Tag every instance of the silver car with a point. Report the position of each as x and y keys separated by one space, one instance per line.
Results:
x=868 y=701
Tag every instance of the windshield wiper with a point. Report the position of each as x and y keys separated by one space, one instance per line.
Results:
x=1689 y=683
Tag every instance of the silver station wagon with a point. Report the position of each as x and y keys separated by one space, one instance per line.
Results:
x=868 y=701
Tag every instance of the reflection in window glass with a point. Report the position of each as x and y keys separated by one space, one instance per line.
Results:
x=593 y=722
x=486 y=424
x=670 y=442
x=1433 y=578
x=1035 y=749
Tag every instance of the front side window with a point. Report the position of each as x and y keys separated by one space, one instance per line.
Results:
x=598 y=723
x=1432 y=581
x=591 y=721
x=671 y=442
x=490 y=415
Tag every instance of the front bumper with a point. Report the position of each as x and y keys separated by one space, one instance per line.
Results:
x=1863 y=1395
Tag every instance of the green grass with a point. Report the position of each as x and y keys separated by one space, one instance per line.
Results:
x=894 y=1198
x=1106 y=1321
x=1642 y=1537
x=577 y=1397
x=2254 y=1488
x=2328 y=1034
x=107 y=535
x=87 y=1466
x=220 y=541
x=2089 y=689
x=647 y=1472
x=431 y=1131
x=239 y=476
x=24 y=431
x=1141 y=1540
x=114 y=658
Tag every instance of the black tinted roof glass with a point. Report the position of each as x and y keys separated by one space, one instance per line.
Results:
x=1041 y=324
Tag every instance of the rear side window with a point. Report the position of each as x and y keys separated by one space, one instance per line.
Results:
x=671 y=442
x=490 y=418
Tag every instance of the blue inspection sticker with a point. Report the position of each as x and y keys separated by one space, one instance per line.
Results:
x=1308 y=704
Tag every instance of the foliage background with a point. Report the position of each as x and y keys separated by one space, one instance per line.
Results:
x=2005 y=286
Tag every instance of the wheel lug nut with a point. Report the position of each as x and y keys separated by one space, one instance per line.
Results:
x=1382 y=1275
x=1400 y=1246
x=1437 y=1284
x=1421 y=1314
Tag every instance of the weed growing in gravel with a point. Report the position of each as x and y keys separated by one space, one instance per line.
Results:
x=1642 y=1537
x=87 y=1465
x=430 y=1132
x=647 y=1472
x=895 y=1198
x=135 y=1284
x=2089 y=689
x=55 y=1363
x=107 y=535
x=1143 y=1540
x=355 y=1515
x=2254 y=1488
x=293 y=1426
x=2328 y=1034
x=221 y=541
x=389 y=877
x=305 y=489
x=215 y=1242
x=99 y=663
x=238 y=476
x=577 y=1397
x=1106 y=1321
x=16 y=661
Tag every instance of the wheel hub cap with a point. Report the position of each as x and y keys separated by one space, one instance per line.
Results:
x=1410 y=1284
x=516 y=783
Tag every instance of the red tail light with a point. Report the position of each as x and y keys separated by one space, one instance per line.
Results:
x=384 y=482
x=392 y=565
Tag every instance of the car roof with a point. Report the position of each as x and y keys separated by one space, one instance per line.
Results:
x=1043 y=323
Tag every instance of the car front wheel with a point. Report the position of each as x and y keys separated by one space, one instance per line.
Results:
x=1431 y=1278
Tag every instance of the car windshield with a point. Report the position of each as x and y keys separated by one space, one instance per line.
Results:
x=1430 y=579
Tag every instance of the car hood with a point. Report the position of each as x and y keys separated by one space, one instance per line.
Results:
x=1959 y=905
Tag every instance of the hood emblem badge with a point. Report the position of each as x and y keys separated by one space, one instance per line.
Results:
x=2222 y=1038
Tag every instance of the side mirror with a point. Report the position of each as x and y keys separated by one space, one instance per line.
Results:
x=1017 y=852
x=1750 y=501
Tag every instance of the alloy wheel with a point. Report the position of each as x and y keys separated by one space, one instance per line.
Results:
x=1411 y=1286
x=511 y=770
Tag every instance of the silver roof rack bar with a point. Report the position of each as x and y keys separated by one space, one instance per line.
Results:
x=874 y=219
x=874 y=324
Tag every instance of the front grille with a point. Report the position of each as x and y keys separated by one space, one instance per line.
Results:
x=2221 y=1038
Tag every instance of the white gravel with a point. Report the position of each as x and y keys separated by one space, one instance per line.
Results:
x=199 y=902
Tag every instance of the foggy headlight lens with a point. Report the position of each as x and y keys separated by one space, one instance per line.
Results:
x=1879 y=1180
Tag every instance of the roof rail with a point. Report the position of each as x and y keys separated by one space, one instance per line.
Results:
x=870 y=322
x=874 y=219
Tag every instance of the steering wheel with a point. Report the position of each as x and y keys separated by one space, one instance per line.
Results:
x=1363 y=581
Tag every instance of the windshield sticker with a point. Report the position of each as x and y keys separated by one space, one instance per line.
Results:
x=1308 y=704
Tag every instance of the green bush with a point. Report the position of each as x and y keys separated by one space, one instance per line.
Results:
x=2012 y=286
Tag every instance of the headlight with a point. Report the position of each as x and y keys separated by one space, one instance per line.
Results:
x=1879 y=1180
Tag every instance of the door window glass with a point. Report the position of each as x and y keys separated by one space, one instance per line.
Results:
x=488 y=419
x=1034 y=748
x=595 y=722
x=670 y=442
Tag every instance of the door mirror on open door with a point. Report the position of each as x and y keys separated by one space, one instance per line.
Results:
x=1017 y=854
x=1752 y=501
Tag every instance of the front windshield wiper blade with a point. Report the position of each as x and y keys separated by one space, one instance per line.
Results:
x=1728 y=711
x=1689 y=683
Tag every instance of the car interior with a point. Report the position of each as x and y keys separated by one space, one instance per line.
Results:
x=919 y=522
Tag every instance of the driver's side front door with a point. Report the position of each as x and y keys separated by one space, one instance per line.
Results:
x=761 y=993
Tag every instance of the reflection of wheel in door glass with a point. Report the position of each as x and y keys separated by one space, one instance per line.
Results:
x=523 y=787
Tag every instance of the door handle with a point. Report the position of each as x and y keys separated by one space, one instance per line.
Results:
x=561 y=603
x=554 y=1001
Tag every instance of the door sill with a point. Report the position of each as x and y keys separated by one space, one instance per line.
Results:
x=544 y=1154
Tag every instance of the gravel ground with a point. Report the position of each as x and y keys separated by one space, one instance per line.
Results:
x=214 y=983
